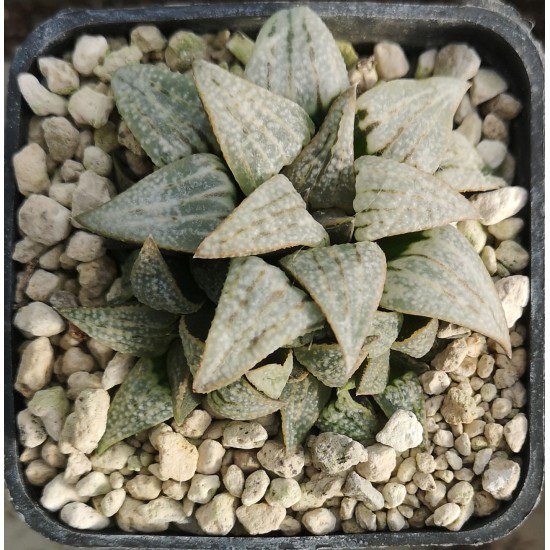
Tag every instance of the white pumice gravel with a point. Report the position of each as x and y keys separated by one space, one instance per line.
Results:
x=220 y=477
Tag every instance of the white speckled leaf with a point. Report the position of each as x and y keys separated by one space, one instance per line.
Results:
x=463 y=169
x=177 y=205
x=385 y=327
x=411 y=120
x=193 y=347
x=403 y=392
x=394 y=198
x=323 y=171
x=303 y=402
x=296 y=56
x=326 y=363
x=240 y=401
x=163 y=111
x=154 y=285
x=259 y=311
x=273 y=217
x=375 y=375
x=418 y=342
x=258 y=131
x=134 y=328
x=142 y=401
x=271 y=379
x=346 y=416
x=346 y=281
x=438 y=274
x=184 y=401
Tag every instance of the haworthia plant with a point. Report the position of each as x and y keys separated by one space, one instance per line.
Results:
x=258 y=131
x=336 y=223
x=184 y=401
x=323 y=171
x=142 y=401
x=133 y=328
x=419 y=340
x=273 y=217
x=178 y=205
x=437 y=274
x=193 y=347
x=346 y=416
x=259 y=311
x=410 y=120
x=303 y=402
x=374 y=377
x=210 y=276
x=346 y=281
x=272 y=378
x=163 y=111
x=240 y=401
x=394 y=198
x=385 y=328
x=154 y=285
x=296 y=56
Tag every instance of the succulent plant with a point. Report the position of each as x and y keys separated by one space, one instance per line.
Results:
x=288 y=265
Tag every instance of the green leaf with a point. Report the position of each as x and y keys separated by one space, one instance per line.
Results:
x=411 y=120
x=346 y=281
x=295 y=56
x=323 y=171
x=240 y=401
x=273 y=217
x=462 y=167
x=418 y=339
x=133 y=328
x=177 y=205
x=258 y=132
x=346 y=416
x=241 y=46
x=142 y=401
x=336 y=223
x=385 y=328
x=193 y=346
x=272 y=378
x=154 y=285
x=163 y=111
x=184 y=401
x=403 y=392
x=394 y=198
x=438 y=274
x=259 y=311
x=210 y=276
x=326 y=363
x=303 y=402
x=375 y=375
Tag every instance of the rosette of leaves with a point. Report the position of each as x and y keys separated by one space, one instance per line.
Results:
x=272 y=271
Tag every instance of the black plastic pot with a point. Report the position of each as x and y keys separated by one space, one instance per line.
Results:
x=503 y=42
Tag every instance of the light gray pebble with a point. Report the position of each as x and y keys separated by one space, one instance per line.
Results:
x=44 y=220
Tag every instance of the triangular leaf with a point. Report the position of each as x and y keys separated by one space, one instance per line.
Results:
x=259 y=311
x=346 y=281
x=385 y=328
x=273 y=217
x=177 y=205
x=462 y=167
x=193 y=346
x=323 y=171
x=438 y=274
x=154 y=285
x=419 y=339
x=296 y=56
x=184 y=401
x=375 y=375
x=240 y=401
x=134 y=328
x=303 y=402
x=142 y=401
x=258 y=132
x=346 y=416
x=272 y=378
x=163 y=111
x=405 y=393
x=394 y=198
x=411 y=120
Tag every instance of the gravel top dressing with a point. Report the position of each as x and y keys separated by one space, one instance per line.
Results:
x=269 y=286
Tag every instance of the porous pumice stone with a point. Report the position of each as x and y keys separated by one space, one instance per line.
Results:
x=456 y=456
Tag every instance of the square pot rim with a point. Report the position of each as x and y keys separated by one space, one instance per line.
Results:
x=489 y=15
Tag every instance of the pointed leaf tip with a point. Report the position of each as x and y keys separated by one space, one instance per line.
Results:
x=273 y=217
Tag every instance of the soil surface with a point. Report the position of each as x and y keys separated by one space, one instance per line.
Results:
x=22 y=16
